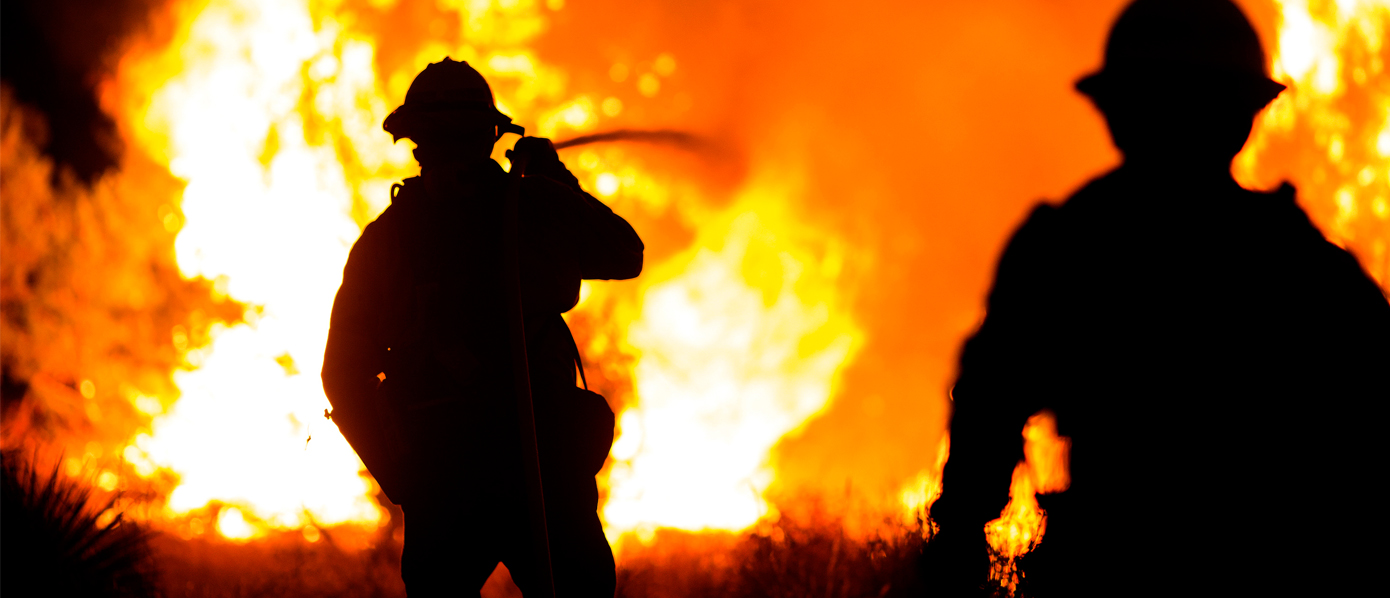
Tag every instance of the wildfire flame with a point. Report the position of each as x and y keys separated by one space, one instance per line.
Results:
x=271 y=111
x=1021 y=525
x=272 y=117
x=918 y=494
x=1329 y=133
x=730 y=362
x=268 y=113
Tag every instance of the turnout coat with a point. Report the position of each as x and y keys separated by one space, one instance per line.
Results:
x=417 y=365
x=1222 y=371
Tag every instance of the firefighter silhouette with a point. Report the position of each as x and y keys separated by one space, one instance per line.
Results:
x=1220 y=367
x=417 y=365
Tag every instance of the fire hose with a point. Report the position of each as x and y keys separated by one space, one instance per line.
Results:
x=669 y=137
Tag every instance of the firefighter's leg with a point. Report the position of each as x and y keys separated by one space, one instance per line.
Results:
x=450 y=549
x=583 y=562
x=582 y=559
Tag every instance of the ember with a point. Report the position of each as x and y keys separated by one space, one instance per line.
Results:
x=813 y=262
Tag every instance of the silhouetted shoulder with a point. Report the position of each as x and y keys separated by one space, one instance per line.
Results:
x=1279 y=213
x=544 y=185
x=559 y=197
x=1332 y=268
x=1038 y=231
x=608 y=248
x=1027 y=266
x=404 y=196
x=1094 y=194
x=379 y=245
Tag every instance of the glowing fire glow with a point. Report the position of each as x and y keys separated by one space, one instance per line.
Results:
x=919 y=493
x=1330 y=132
x=1021 y=525
x=728 y=366
x=268 y=210
x=271 y=112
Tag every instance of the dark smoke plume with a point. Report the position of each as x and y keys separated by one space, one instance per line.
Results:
x=53 y=54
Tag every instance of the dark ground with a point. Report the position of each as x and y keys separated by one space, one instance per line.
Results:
x=785 y=560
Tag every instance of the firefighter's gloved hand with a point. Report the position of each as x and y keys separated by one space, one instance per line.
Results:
x=544 y=160
x=541 y=151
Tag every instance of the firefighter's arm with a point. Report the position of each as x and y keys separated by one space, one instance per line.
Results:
x=1002 y=382
x=356 y=348
x=608 y=246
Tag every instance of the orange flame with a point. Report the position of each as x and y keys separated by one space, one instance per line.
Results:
x=1329 y=133
x=918 y=495
x=270 y=113
x=736 y=338
x=1021 y=525
x=726 y=367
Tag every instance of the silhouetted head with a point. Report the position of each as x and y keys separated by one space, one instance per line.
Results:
x=450 y=114
x=1182 y=82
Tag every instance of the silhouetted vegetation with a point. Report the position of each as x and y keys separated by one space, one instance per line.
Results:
x=791 y=558
x=795 y=557
x=281 y=565
x=56 y=544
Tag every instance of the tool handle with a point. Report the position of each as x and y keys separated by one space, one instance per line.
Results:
x=521 y=379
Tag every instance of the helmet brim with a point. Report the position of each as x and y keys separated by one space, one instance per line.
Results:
x=1259 y=90
x=409 y=122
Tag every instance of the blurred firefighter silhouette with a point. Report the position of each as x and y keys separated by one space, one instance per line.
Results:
x=1220 y=368
x=418 y=366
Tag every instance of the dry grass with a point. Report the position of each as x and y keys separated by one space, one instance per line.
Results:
x=812 y=558
x=284 y=565
x=345 y=562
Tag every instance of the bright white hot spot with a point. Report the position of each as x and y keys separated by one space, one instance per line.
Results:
x=721 y=378
x=271 y=212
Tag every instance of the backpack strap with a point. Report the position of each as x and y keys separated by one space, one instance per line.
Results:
x=578 y=359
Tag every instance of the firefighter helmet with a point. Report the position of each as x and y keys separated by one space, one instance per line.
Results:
x=1208 y=44
x=448 y=94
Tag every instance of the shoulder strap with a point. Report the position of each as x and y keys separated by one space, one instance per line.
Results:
x=578 y=359
x=408 y=185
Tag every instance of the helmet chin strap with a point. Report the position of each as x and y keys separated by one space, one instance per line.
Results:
x=429 y=156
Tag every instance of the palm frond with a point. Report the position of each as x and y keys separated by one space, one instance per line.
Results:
x=54 y=543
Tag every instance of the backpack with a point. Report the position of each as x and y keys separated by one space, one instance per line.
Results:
x=574 y=429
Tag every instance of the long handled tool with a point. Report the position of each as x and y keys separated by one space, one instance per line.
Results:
x=521 y=380
x=521 y=371
x=661 y=136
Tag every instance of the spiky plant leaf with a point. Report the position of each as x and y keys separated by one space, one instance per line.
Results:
x=53 y=545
